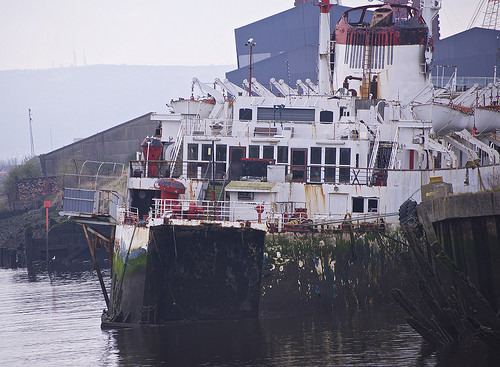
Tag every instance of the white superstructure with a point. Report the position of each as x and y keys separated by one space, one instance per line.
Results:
x=310 y=151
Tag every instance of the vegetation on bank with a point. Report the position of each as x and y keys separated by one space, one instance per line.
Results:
x=29 y=168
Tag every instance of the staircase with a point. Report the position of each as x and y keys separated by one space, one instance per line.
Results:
x=384 y=155
x=367 y=66
x=376 y=144
x=174 y=157
x=211 y=192
x=394 y=150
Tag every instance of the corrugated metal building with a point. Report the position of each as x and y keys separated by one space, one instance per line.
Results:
x=117 y=144
x=474 y=52
x=287 y=45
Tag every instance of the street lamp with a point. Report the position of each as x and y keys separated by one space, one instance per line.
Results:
x=250 y=43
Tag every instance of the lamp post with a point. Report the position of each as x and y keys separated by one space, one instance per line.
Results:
x=280 y=108
x=251 y=44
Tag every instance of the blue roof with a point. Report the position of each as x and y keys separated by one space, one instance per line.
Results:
x=286 y=45
x=475 y=52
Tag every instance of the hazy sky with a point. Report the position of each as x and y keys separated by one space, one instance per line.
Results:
x=52 y=33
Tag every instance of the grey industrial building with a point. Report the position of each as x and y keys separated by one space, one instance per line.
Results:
x=475 y=53
x=117 y=144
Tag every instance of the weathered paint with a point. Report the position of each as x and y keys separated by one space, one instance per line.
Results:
x=311 y=273
x=180 y=271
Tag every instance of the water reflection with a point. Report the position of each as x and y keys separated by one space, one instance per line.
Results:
x=57 y=322
x=364 y=339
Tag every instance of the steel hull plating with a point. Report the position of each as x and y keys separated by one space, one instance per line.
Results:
x=186 y=272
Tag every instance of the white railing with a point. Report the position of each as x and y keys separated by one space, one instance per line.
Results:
x=278 y=217
x=128 y=215
x=209 y=210
x=208 y=127
x=462 y=82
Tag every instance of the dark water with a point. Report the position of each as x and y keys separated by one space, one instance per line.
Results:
x=57 y=323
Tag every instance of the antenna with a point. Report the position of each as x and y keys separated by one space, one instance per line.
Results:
x=31 y=134
x=250 y=44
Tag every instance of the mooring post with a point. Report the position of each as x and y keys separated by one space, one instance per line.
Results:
x=46 y=205
x=111 y=248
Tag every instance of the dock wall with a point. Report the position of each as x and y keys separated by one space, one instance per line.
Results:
x=468 y=228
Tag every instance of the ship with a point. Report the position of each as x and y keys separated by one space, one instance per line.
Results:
x=237 y=163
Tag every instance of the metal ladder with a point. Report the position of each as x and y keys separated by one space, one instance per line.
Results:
x=394 y=152
x=376 y=144
x=177 y=147
x=367 y=66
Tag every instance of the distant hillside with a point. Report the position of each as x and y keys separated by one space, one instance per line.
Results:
x=70 y=103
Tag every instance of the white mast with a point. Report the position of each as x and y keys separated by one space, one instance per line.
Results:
x=430 y=10
x=324 y=71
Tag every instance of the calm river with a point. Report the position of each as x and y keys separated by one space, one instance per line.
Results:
x=57 y=323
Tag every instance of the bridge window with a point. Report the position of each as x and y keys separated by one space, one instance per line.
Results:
x=316 y=155
x=206 y=152
x=372 y=205
x=326 y=116
x=358 y=205
x=193 y=152
x=245 y=196
x=221 y=153
x=253 y=151
x=245 y=114
x=268 y=152
x=330 y=161
x=345 y=160
x=283 y=154
x=285 y=114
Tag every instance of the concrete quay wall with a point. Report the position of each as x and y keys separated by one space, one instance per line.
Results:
x=468 y=228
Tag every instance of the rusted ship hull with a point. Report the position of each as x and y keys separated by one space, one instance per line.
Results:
x=186 y=272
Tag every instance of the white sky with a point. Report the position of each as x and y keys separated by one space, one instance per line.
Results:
x=51 y=33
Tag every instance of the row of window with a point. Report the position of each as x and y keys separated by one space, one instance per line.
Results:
x=206 y=152
x=285 y=114
x=318 y=155
x=359 y=204
x=299 y=158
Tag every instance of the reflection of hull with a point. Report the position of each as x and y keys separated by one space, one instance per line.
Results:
x=487 y=120
x=445 y=119
x=185 y=272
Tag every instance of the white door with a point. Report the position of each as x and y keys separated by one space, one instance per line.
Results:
x=338 y=204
